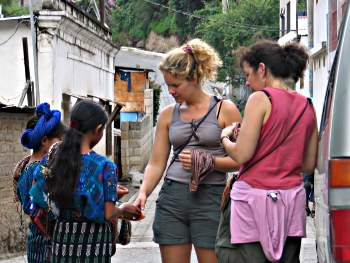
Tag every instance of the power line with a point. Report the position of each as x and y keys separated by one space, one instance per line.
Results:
x=257 y=27
x=14 y=32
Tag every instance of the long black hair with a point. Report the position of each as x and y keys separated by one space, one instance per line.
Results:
x=65 y=167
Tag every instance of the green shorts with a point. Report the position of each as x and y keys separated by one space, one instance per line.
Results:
x=253 y=252
x=183 y=217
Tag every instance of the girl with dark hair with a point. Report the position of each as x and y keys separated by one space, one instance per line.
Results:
x=80 y=188
x=42 y=130
x=277 y=141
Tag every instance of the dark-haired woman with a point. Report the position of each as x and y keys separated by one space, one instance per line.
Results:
x=42 y=130
x=277 y=141
x=81 y=188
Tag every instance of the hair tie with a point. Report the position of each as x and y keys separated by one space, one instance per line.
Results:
x=188 y=49
x=74 y=124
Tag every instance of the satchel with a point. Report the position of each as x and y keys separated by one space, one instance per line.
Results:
x=41 y=217
x=120 y=235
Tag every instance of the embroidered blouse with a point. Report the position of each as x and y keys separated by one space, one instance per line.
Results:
x=97 y=184
x=24 y=184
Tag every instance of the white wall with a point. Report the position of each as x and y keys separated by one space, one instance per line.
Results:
x=74 y=57
x=12 y=76
x=320 y=61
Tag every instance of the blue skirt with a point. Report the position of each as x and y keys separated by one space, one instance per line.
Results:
x=37 y=244
x=86 y=242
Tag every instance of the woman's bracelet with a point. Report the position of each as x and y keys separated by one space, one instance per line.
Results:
x=223 y=137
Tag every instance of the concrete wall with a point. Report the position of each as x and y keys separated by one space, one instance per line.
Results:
x=12 y=60
x=136 y=144
x=320 y=60
x=11 y=151
x=149 y=103
x=75 y=56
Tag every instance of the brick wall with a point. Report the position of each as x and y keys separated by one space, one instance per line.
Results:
x=136 y=144
x=133 y=99
x=11 y=151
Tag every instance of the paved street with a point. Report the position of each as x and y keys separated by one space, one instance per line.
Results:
x=143 y=250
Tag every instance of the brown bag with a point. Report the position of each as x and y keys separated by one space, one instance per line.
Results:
x=120 y=235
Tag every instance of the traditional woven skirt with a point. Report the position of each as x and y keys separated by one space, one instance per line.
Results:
x=81 y=242
x=37 y=244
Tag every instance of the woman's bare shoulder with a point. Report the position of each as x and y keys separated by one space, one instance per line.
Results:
x=165 y=115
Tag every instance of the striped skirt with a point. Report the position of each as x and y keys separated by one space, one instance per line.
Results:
x=37 y=244
x=81 y=242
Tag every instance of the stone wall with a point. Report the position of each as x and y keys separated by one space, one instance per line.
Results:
x=136 y=144
x=11 y=151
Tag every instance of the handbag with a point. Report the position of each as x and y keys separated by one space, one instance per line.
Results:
x=120 y=235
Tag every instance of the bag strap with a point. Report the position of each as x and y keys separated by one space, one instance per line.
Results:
x=179 y=149
x=308 y=101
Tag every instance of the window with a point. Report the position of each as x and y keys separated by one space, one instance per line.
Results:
x=283 y=21
x=329 y=96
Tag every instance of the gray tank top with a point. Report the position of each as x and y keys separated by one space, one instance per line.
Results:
x=207 y=139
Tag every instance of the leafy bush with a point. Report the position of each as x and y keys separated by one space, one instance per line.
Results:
x=12 y=8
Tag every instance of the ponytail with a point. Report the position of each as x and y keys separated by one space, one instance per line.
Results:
x=65 y=167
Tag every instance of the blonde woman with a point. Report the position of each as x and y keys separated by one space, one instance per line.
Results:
x=188 y=206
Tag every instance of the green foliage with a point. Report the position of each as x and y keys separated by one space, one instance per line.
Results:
x=156 y=100
x=165 y=26
x=12 y=8
x=138 y=18
x=243 y=24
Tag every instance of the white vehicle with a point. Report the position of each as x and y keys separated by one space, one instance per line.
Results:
x=332 y=176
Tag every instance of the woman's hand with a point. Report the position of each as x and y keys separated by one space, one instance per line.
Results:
x=231 y=131
x=121 y=191
x=186 y=159
x=141 y=200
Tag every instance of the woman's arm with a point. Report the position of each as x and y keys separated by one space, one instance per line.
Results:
x=310 y=156
x=127 y=211
x=228 y=115
x=256 y=112
x=159 y=157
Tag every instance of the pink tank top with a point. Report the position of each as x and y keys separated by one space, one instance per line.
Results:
x=281 y=169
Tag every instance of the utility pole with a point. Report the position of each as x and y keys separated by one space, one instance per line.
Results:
x=35 y=53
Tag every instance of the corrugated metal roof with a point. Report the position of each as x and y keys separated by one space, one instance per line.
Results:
x=15 y=109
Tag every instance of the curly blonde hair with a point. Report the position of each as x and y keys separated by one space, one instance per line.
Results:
x=195 y=58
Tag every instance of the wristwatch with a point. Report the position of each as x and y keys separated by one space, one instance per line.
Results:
x=223 y=137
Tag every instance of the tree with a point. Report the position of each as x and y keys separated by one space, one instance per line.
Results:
x=243 y=24
x=13 y=8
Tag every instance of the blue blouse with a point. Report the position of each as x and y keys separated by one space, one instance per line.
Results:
x=97 y=184
x=24 y=184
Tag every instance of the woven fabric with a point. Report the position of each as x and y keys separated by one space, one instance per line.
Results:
x=81 y=242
